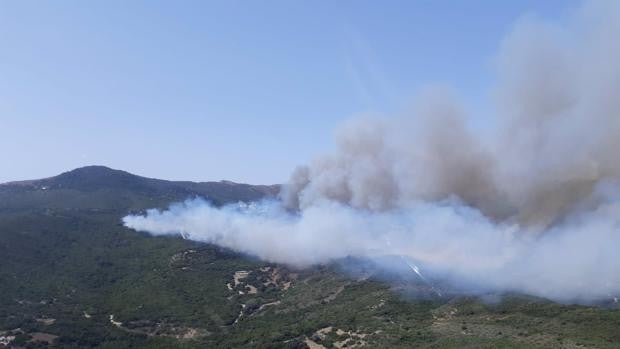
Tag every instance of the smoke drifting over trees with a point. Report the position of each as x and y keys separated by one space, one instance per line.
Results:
x=533 y=207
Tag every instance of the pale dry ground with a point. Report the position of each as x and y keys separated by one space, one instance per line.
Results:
x=115 y=323
x=240 y=314
x=43 y=337
x=262 y=307
x=237 y=279
x=275 y=277
x=240 y=275
x=313 y=345
x=46 y=321
x=353 y=339
x=251 y=289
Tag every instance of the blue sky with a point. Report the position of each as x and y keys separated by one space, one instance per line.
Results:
x=237 y=90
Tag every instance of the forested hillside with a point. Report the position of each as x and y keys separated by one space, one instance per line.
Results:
x=72 y=276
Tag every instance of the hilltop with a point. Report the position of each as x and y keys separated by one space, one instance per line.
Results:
x=72 y=276
x=103 y=187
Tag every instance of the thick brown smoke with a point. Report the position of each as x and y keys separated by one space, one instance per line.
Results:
x=532 y=207
x=558 y=97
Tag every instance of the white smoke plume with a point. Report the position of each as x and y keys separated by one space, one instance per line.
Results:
x=535 y=208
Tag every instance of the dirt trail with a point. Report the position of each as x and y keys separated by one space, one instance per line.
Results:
x=240 y=314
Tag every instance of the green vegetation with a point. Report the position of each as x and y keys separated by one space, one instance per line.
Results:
x=70 y=269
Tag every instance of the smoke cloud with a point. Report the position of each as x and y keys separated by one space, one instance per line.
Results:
x=534 y=207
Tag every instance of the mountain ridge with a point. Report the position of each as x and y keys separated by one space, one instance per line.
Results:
x=99 y=170
x=98 y=186
x=73 y=276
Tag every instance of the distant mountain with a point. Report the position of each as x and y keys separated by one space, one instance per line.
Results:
x=101 y=187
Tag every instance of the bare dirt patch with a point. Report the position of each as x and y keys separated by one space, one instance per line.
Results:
x=43 y=337
x=313 y=345
x=46 y=321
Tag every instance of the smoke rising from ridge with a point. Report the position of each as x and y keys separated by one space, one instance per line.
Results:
x=534 y=207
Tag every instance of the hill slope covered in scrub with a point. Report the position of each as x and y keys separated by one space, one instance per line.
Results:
x=72 y=276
